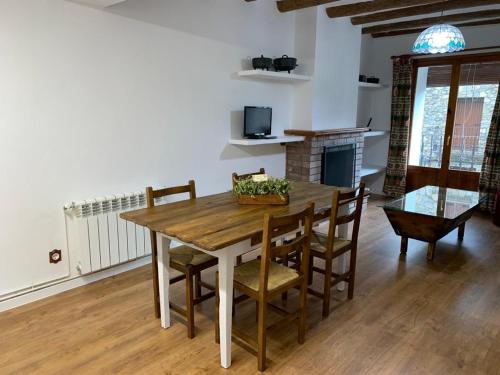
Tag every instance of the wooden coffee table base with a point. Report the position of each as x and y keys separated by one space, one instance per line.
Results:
x=430 y=250
x=461 y=231
x=404 y=245
x=430 y=213
x=425 y=228
x=431 y=247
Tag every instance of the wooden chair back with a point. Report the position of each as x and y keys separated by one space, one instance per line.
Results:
x=237 y=177
x=152 y=194
x=339 y=199
x=275 y=226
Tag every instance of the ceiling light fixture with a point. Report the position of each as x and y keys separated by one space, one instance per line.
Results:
x=441 y=38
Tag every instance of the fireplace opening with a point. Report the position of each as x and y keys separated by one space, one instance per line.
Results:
x=338 y=163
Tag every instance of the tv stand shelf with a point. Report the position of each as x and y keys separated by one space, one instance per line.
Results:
x=256 y=142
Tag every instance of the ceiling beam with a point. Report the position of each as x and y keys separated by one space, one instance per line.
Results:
x=424 y=22
x=289 y=5
x=494 y=21
x=421 y=9
x=372 y=6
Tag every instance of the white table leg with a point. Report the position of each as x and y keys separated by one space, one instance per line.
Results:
x=227 y=257
x=343 y=233
x=226 y=275
x=163 y=244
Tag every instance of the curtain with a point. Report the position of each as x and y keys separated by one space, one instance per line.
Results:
x=395 y=178
x=489 y=180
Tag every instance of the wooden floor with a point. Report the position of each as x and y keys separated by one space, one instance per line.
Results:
x=408 y=317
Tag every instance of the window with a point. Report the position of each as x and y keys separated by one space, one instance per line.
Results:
x=477 y=94
x=453 y=101
x=430 y=110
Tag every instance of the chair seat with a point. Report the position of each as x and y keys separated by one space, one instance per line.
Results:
x=184 y=255
x=318 y=243
x=248 y=275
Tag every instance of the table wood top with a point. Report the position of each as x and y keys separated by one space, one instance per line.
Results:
x=217 y=221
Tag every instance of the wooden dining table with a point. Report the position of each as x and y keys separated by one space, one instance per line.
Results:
x=219 y=226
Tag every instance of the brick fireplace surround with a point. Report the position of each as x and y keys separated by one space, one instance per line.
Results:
x=303 y=159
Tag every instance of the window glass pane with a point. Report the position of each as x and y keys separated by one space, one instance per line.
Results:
x=477 y=94
x=429 y=115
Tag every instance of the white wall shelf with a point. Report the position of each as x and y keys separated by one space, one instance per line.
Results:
x=101 y=4
x=376 y=133
x=274 y=76
x=368 y=170
x=256 y=142
x=367 y=85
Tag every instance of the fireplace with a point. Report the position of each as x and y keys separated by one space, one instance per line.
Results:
x=332 y=157
x=338 y=165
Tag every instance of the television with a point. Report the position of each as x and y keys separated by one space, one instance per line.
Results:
x=257 y=122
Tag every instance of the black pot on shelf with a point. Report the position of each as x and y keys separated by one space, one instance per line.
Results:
x=262 y=62
x=285 y=64
x=373 y=79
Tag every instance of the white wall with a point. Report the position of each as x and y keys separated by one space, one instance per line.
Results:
x=305 y=47
x=376 y=60
x=103 y=102
x=331 y=52
x=338 y=45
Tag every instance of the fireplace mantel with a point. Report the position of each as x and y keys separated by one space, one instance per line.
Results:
x=323 y=133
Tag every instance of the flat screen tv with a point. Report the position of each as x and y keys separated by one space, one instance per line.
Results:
x=257 y=123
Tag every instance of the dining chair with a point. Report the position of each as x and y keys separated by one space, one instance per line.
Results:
x=190 y=262
x=236 y=177
x=329 y=247
x=263 y=279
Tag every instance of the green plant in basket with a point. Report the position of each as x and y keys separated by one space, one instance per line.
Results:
x=273 y=186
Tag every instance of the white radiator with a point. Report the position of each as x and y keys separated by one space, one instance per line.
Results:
x=98 y=238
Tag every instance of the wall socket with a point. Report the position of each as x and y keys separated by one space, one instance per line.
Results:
x=55 y=256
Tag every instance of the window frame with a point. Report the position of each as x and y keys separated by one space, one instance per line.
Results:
x=418 y=176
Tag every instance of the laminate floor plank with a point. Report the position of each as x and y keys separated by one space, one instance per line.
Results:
x=408 y=316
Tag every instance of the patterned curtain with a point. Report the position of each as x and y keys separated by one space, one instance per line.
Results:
x=395 y=178
x=489 y=181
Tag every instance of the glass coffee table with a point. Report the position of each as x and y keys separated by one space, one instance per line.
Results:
x=430 y=213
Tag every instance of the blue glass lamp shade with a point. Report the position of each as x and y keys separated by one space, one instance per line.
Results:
x=439 y=39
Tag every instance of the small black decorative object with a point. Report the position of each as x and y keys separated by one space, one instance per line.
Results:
x=362 y=78
x=285 y=64
x=373 y=79
x=264 y=63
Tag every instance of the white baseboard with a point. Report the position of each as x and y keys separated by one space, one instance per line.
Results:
x=64 y=285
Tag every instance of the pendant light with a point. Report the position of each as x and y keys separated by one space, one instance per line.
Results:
x=441 y=38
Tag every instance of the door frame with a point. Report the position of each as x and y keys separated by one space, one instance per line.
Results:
x=420 y=176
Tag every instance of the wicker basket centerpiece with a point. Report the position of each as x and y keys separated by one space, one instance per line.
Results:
x=262 y=190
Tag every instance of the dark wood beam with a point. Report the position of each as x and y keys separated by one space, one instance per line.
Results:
x=421 y=9
x=289 y=5
x=494 y=21
x=492 y=13
x=372 y=6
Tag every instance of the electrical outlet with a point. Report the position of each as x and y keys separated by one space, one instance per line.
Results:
x=55 y=256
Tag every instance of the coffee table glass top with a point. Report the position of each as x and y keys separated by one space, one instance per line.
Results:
x=436 y=201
